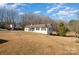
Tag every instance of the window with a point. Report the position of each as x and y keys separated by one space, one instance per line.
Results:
x=50 y=28
x=43 y=29
x=31 y=29
x=37 y=28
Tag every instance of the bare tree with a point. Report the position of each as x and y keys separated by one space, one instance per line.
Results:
x=30 y=18
x=7 y=17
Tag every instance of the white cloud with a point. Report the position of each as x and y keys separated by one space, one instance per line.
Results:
x=53 y=14
x=21 y=13
x=50 y=10
x=62 y=13
x=54 y=8
x=3 y=4
x=37 y=12
x=67 y=12
x=74 y=11
x=47 y=7
x=14 y=6
x=67 y=8
x=8 y=6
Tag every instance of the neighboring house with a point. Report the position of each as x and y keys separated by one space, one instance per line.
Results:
x=39 y=28
x=11 y=26
x=18 y=27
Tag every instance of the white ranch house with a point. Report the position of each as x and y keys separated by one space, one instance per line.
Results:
x=39 y=28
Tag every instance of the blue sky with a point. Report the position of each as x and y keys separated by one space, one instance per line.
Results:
x=56 y=11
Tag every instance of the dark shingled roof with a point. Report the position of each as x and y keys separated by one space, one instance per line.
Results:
x=37 y=25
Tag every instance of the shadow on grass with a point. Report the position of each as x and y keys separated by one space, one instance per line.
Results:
x=63 y=36
x=3 y=41
x=70 y=36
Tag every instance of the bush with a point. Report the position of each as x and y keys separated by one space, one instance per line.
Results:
x=74 y=26
x=61 y=29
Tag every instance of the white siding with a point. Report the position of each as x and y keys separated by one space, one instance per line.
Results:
x=37 y=31
x=41 y=31
x=26 y=29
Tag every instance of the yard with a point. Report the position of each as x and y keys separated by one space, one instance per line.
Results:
x=27 y=43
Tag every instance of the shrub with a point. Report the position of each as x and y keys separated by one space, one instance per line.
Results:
x=61 y=29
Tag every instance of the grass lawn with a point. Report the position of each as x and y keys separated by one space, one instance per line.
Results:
x=3 y=29
x=27 y=43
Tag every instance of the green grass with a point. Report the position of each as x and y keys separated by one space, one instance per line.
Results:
x=3 y=29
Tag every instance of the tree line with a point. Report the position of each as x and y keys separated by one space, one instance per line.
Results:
x=7 y=16
x=11 y=16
